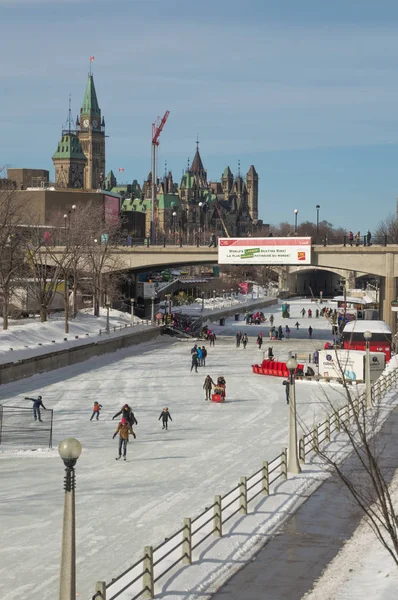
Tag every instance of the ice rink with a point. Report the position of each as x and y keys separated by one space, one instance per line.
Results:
x=121 y=507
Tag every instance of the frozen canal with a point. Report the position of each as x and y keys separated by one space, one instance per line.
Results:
x=168 y=475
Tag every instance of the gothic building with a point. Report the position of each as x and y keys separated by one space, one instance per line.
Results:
x=198 y=207
x=79 y=160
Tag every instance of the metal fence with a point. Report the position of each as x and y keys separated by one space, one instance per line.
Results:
x=159 y=560
x=17 y=426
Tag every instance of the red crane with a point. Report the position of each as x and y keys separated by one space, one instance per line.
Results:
x=157 y=127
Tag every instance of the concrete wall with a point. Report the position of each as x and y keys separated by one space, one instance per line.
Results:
x=64 y=358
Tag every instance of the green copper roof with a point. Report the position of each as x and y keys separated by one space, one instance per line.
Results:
x=227 y=172
x=69 y=147
x=187 y=180
x=90 y=102
x=166 y=201
x=137 y=205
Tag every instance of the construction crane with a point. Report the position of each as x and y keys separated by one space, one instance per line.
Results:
x=157 y=128
x=221 y=219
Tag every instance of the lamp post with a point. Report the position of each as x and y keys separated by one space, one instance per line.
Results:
x=368 y=390
x=153 y=309
x=293 y=465
x=295 y=220
x=108 y=305
x=214 y=294
x=232 y=297
x=174 y=226
x=203 y=301
x=317 y=221
x=132 y=308
x=69 y=450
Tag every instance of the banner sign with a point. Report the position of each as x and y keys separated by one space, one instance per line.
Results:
x=264 y=251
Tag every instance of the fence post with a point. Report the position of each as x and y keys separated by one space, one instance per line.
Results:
x=100 y=590
x=315 y=443
x=265 y=479
x=328 y=429
x=284 y=463
x=243 y=495
x=337 y=420
x=147 y=580
x=187 y=543
x=301 y=449
x=217 y=521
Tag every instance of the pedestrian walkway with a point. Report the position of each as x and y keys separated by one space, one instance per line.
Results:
x=288 y=566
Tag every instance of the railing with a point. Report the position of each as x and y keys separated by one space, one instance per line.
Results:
x=18 y=426
x=158 y=561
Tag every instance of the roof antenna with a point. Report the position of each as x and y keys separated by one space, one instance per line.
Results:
x=70 y=114
x=165 y=168
x=188 y=164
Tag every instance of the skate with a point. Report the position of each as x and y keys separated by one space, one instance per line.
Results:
x=118 y=457
x=124 y=459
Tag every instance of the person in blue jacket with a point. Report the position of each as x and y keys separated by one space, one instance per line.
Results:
x=200 y=356
x=37 y=403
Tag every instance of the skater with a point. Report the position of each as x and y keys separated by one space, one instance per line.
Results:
x=287 y=332
x=194 y=363
x=204 y=355
x=271 y=320
x=270 y=353
x=310 y=331
x=200 y=356
x=260 y=340
x=212 y=338
x=297 y=325
x=280 y=333
x=37 y=403
x=238 y=339
x=124 y=429
x=286 y=383
x=127 y=413
x=213 y=241
x=96 y=410
x=208 y=384
x=244 y=341
x=357 y=238
x=165 y=416
x=194 y=349
x=368 y=238
x=303 y=313
x=309 y=313
x=317 y=313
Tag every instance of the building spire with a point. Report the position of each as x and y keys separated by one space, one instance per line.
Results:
x=197 y=142
x=90 y=101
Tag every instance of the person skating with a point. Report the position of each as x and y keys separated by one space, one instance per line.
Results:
x=127 y=413
x=238 y=339
x=212 y=338
x=286 y=383
x=260 y=340
x=310 y=331
x=37 y=404
x=280 y=332
x=270 y=353
x=204 y=355
x=194 y=363
x=200 y=356
x=244 y=341
x=317 y=313
x=271 y=320
x=165 y=416
x=207 y=386
x=287 y=332
x=297 y=325
x=124 y=429
x=351 y=237
x=96 y=410
x=309 y=313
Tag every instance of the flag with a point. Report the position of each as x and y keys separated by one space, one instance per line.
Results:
x=121 y=169
x=91 y=58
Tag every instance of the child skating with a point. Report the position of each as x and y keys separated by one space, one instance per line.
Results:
x=165 y=416
x=124 y=429
x=96 y=411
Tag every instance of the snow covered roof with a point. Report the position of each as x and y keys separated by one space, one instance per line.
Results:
x=353 y=300
x=365 y=325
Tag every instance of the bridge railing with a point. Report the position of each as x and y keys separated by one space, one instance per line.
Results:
x=179 y=547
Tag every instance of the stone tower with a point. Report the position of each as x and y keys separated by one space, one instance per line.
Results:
x=92 y=138
x=227 y=181
x=252 y=188
x=69 y=162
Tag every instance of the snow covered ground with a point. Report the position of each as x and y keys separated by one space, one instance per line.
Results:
x=121 y=507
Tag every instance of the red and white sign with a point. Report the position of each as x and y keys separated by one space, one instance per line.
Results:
x=264 y=251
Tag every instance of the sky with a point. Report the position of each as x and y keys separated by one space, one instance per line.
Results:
x=306 y=91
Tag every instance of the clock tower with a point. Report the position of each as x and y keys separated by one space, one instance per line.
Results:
x=91 y=134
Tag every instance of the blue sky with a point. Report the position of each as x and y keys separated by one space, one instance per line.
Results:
x=307 y=92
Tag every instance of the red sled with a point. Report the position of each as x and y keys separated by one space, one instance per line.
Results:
x=217 y=398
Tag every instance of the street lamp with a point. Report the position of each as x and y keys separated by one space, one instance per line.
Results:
x=317 y=221
x=203 y=301
x=69 y=450
x=293 y=465
x=108 y=305
x=132 y=308
x=174 y=226
x=368 y=390
x=295 y=220
x=153 y=309
x=232 y=298
x=65 y=220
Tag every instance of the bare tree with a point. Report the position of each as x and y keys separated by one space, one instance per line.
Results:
x=387 y=229
x=13 y=215
x=366 y=480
